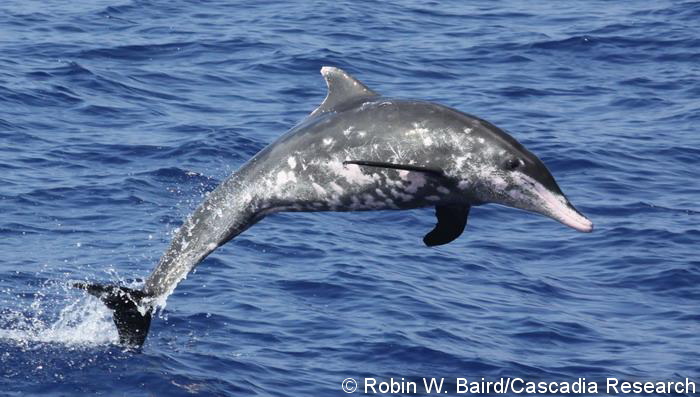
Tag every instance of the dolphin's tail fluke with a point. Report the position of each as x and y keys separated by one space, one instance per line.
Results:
x=132 y=323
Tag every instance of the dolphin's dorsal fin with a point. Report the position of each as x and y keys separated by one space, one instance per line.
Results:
x=342 y=88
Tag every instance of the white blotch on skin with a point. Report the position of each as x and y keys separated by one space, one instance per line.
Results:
x=416 y=180
x=433 y=198
x=459 y=161
x=464 y=185
x=519 y=197
x=352 y=172
x=292 y=162
x=399 y=195
x=390 y=203
x=320 y=190
x=335 y=201
x=328 y=141
x=498 y=182
x=336 y=188
x=421 y=132
x=481 y=140
x=467 y=130
x=211 y=247
x=370 y=202
x=285 y=177
x=443 y=190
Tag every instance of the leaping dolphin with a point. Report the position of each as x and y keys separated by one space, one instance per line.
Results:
x=357 y=151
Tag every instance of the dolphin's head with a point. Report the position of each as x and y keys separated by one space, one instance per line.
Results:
x=501 y=170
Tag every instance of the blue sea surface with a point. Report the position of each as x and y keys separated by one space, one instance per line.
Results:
x=117 y=116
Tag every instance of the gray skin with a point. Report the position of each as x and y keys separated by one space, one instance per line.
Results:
x=361 y=151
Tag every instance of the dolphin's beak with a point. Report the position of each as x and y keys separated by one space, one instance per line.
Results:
x=552 y=203
x=561 y=209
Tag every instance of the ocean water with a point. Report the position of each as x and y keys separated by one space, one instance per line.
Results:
x=117 y=116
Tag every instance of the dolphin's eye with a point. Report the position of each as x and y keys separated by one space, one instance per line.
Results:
x=512 y=164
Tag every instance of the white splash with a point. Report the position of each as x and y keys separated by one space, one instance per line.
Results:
x=84 y=322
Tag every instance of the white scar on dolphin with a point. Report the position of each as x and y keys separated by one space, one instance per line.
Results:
x=357 y=151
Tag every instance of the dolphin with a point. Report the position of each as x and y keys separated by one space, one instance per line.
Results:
x=358 y=151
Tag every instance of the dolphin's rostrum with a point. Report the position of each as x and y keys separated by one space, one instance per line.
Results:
x=357 y=151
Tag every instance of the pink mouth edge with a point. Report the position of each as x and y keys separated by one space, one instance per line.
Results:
x=575 y=221
x=562 y=211
x=558 y=207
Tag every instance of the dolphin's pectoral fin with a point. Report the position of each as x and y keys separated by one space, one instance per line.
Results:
x=451 y=222
x=342 y=88
x=405 y=167
x=131 y=323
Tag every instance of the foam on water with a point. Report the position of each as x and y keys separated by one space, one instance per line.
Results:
x=83 y=323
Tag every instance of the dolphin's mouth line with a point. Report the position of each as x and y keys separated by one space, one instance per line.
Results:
x=558 y=207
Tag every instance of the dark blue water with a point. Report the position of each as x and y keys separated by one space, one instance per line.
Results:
x=117 y=116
